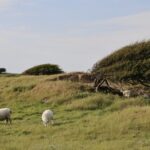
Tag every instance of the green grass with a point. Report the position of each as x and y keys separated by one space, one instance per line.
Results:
x=83 y=120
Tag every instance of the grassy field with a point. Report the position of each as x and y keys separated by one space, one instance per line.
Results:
x=83 y=120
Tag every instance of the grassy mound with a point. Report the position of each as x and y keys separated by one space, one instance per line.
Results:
x=128 y=63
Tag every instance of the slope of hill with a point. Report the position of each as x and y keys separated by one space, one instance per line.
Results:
x=129 y=63
x=83 y=119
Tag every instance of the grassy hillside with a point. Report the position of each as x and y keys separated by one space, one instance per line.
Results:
x=83 y=120
x=128 y=63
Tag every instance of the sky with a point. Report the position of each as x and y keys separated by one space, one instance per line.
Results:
x=74 y=34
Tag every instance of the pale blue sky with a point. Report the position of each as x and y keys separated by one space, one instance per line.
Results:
x=71 y=33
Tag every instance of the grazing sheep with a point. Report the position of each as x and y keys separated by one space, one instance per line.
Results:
x=5 y=114
x=47 y=116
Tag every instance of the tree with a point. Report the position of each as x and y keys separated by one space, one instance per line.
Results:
x=2 y=70
x=44 y=69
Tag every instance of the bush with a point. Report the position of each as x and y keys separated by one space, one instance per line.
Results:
x=2 y=70
x=128 y=63
x=45 y=69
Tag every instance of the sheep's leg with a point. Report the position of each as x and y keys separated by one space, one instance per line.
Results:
x=52 y=122
x=10 y=121
x=7 y=120
x=45 y=124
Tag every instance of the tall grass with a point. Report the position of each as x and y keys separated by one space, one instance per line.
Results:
x=94 y=120
x=95 y=101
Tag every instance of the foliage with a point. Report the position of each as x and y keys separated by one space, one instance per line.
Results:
x=128 y=63
x=44 y=69
x=2 y=70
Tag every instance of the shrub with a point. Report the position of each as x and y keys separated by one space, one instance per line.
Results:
x=2 y=70
x=45 y=69
x=128 y=63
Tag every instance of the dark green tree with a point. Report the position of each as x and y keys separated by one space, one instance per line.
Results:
x=44 y=69
x=2 y=70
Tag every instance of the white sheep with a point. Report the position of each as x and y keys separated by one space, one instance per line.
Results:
x=47 y=116
x=5 y=114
